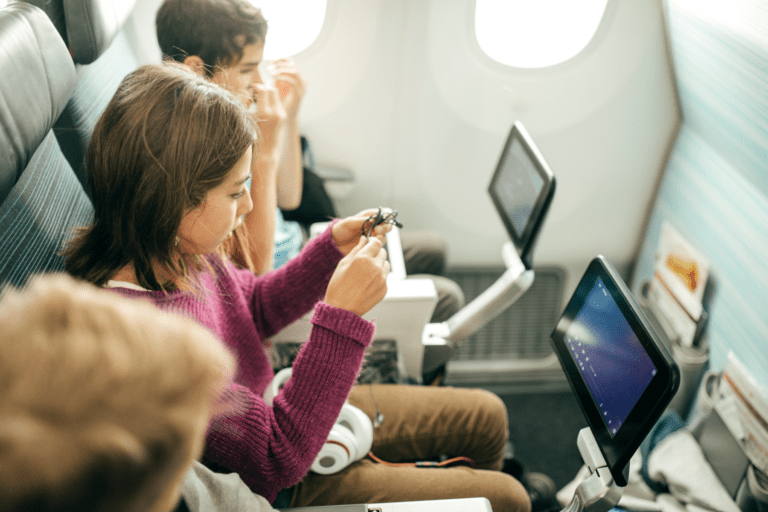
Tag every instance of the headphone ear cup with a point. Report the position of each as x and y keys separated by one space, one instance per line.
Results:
x=337 y=453
x=278 y=381
x=360 y=425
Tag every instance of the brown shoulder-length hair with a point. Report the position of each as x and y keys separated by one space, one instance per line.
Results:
x=166 y=138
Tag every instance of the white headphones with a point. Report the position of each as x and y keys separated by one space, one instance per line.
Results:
x=350 y=439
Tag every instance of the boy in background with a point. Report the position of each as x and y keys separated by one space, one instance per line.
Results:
x=224 y=41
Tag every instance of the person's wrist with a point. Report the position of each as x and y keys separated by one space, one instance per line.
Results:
x=267 y=158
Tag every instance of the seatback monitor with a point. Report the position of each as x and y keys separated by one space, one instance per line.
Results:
x=521 y=190
x=622 y=374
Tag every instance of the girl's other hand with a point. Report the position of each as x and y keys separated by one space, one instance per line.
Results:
x=360 y=279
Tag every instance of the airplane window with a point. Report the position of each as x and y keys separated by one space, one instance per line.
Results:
x=293 y=25
x=527 y=34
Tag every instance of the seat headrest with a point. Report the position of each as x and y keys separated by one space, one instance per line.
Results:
x=38 y=80
x=87 y=26
x=93 y=24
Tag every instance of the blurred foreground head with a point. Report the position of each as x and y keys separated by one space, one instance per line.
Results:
x=104 y=401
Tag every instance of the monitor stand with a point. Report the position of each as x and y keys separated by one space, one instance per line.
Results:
x=599 y=492
x=441 y=339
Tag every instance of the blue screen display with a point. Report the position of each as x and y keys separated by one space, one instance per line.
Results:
x=612 y=361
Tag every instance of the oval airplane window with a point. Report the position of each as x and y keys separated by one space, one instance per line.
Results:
x=293 y=25
x=526 y=34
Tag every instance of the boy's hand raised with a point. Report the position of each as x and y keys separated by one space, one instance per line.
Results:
x=347 y=232
x=269 y=114
x=360 y=279
x=290 y=84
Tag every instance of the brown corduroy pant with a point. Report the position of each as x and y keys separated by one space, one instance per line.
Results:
x=423 y=423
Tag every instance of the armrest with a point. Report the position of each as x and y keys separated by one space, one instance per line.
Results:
x=332 y=172
x=452 y=505
x=395 y=255
x=339 y=181
x=400 y=316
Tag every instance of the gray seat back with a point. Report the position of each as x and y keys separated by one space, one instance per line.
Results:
x=41 y=200
x=93 y=30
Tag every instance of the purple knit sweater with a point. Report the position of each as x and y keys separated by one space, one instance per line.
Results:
x=274 y=447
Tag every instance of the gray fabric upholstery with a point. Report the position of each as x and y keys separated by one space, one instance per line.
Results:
x=46 y=201
x=35 y=87
x=39 y=215
x=93 y=30
x=55 y=11
x=96 y=85
x=93 y=24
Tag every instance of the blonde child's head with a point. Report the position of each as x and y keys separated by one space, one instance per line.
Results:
x=104 y=401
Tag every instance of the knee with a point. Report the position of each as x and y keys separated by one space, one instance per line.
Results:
x=494 y=408
x=450 y=298
x=508 y=495
x=492 y=418
x=450 y=291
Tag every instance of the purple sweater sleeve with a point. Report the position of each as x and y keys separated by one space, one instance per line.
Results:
x=274 y=447
x=282 y=296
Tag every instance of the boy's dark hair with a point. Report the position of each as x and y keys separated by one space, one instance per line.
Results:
x=166 y=138
x=214 y=30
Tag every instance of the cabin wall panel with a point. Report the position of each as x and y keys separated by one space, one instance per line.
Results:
x=715 y=187
x=429 y=143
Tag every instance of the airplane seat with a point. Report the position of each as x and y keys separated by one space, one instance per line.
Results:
x=41 y=199
x=92 y=29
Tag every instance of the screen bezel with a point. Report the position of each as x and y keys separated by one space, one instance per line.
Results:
x=525 y=241
x=618 y=449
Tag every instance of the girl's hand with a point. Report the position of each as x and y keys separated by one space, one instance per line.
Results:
x=360 y=279
x=347 y=232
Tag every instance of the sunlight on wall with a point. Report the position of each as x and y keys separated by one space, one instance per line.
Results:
x=527 y=34
x=293 y=25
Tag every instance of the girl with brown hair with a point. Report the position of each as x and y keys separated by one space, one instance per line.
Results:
x=168 y=163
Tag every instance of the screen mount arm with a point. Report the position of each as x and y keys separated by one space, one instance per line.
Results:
x=599 y=492
x=440 y=339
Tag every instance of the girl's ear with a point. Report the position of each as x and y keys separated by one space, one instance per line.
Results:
x=196 y=64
